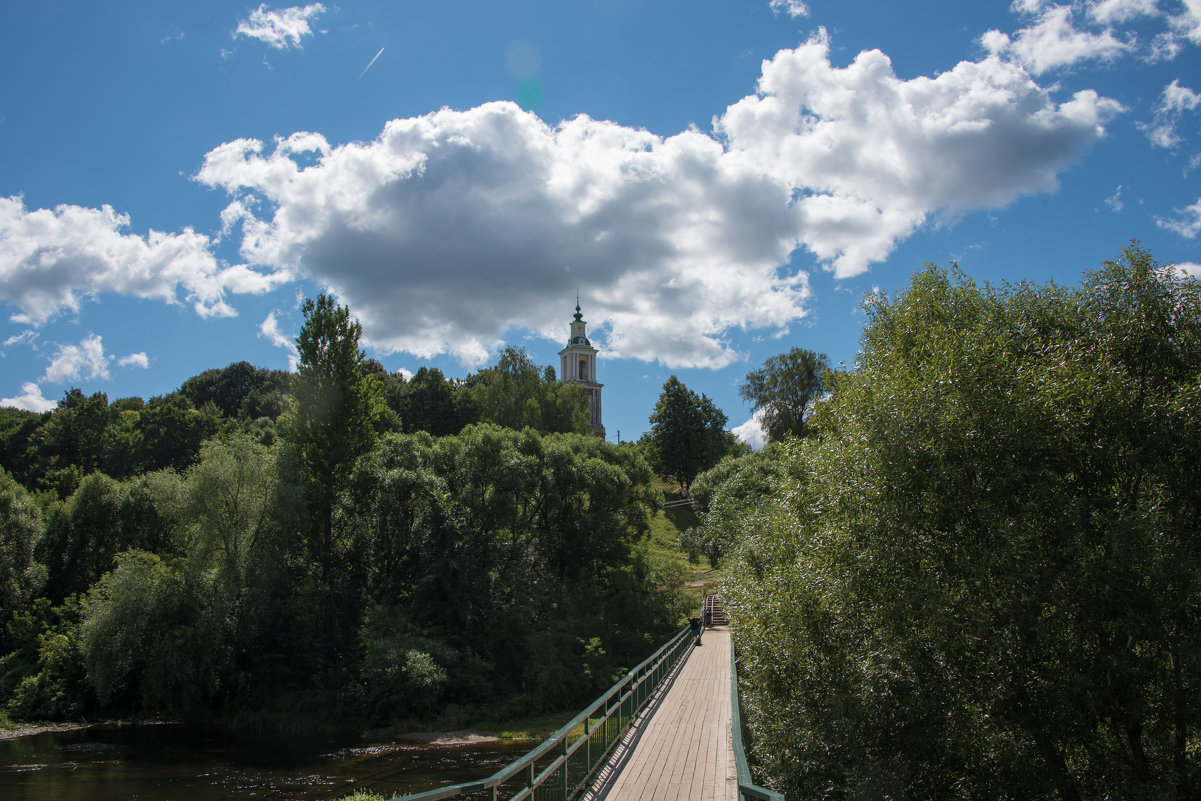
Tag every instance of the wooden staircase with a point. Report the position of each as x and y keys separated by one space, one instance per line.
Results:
x=716 y=610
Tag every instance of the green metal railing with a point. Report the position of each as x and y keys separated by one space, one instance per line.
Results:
x=560 y=767
x=746 y=786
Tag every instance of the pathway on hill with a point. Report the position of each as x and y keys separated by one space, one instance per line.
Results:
x=679 y=749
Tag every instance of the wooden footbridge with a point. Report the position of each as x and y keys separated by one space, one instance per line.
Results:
x=668 y=731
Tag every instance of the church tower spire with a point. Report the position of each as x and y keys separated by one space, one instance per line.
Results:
x=578 y=363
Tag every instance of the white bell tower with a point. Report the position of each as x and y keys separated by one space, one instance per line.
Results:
x=578 y=363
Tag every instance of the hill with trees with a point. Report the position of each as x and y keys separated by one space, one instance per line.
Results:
x=339 y=545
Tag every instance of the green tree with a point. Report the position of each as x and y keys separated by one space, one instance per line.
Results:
x=17 y=430
x=989 y=559
x=785 y=388
x=123 y=445
x=431 y=402
x=83 y=534
x=20 y=529
x=530 y=535
x=172 y=430
x=69 y=443
x=687 y=433
x=331 y=411
x=43 y=678
x=230 y=495
x=725 y=495
x=516 y=394
x=151 y=638
x=239 y=390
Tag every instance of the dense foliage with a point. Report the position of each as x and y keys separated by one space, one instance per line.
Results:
x=982 y=579
x=724 y=496
x=329 y=558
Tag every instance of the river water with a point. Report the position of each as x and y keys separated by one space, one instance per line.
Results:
x=172 y=762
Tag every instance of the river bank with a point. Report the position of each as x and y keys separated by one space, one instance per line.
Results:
x=533 y=728
x=460 y=737
x=12 y=731
x=77 y=762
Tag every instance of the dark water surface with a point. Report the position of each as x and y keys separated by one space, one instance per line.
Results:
x=172 y=762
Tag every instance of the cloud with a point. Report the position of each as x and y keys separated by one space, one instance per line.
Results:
x=269 y=330
x=280 y=28
x=135 y=360
x=1054 y=42
x=77 y=361
x=793 y=8
x=1108 y=12
x=50 y=261
x=1114 y=201
x=26 y=337
x=869 y=157
x=1189 y=268
x=1188 y=22
x=30 y=399
x=449 y=231
x=751 y=432
x=1173 y=103
x=1188 y=224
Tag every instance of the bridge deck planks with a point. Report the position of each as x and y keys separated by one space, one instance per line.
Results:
x=679 y=749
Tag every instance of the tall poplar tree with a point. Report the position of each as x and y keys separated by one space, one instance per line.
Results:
x=333 y=405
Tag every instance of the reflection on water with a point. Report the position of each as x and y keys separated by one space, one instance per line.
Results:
x=173 y=762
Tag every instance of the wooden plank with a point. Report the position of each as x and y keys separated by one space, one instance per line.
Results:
x=680 y=748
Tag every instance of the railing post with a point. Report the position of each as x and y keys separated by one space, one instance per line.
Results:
x=563 y=775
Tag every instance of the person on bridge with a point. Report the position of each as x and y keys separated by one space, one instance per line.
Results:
x=695 y=623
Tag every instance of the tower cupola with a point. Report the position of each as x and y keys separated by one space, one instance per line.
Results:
x=578 y=364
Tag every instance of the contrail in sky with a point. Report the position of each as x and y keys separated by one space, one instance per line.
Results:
x=377 y=55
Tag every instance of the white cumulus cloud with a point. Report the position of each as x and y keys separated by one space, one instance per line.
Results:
x=450 y=230
x=280 y=28
x=751 y=432
x=139 y=359
x=1053 y=41
x=869 y=156
x=87 y=359
x=30 y=399
x=51 y=260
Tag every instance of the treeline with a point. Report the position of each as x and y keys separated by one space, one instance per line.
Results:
x=127 y=437
x=298 y=548
x=979 y=574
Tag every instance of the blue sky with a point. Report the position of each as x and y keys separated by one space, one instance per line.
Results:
x=720 y=181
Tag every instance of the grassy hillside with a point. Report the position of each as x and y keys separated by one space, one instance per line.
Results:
x=666 y=526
